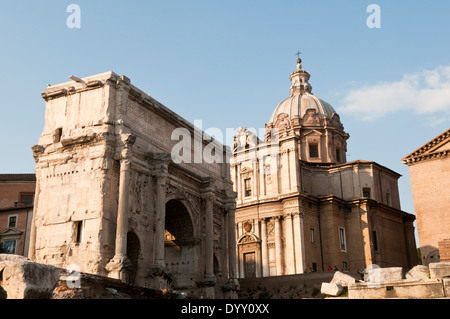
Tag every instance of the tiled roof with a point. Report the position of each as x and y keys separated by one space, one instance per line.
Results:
x=17 y=177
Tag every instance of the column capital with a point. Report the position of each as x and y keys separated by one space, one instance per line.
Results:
x=299 y=214
x=288 y=216
x=128 y=139
x=208 y=196
x=161 y=174
x=230 y=205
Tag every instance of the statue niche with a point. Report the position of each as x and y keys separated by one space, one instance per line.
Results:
x=283 y=122
x=311 y=117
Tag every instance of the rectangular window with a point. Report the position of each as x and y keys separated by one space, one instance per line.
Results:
x=344 y=265
x=311 y=235
x=313 y=150
x=338 y=155
x=366 y=192
x=314 y=267
x=58 y=134
x=9 y=247
x=388 y=198
x=26 y=199
x=79 y=231
x=342 y=241
x=12 y=221
x=248 y=187
x=374 y=240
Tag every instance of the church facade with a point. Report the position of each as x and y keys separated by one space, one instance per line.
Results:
x=112 y=200
x=302 y=207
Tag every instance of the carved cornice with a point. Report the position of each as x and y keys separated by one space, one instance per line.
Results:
x=49 y=94
x=429 y=151
x=425 y=157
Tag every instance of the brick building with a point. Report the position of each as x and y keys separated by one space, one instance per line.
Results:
x=16 y=209
x=429 y=167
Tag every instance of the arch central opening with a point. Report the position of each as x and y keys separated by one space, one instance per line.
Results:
x=180 y=245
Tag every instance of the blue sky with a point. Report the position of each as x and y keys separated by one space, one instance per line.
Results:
x=228 y=63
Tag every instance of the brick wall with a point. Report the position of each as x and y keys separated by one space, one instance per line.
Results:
x=444 y=249
x=12 y=186
x=430 y=181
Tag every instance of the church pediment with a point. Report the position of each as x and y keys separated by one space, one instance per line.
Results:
x=246 y=170
x=10 y=232
x=248 y=238
x=312 y=132
x=437 y=147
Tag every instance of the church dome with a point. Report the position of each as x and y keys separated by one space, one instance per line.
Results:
x=301 y=99
x=296 y=106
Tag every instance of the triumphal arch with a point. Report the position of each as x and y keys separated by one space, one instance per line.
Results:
x=112 y=198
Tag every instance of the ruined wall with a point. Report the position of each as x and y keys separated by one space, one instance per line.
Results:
x=76 y=177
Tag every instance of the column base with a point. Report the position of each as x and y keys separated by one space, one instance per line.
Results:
x=232 y=284
x=118 y=268
x=208 y=281
x=161 y=276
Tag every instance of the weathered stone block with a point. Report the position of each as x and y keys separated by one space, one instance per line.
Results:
x=331 y=289
x=24 y=279
x=446 y=283
x=342 y=279
x=439 y=270
x=399 y=289
x=380 y=275
x=419 y=272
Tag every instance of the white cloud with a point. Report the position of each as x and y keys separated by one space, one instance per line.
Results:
x=426 y=93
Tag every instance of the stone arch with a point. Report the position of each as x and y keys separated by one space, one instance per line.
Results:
x=187 y=202
x=181 y=245
x=133 y=252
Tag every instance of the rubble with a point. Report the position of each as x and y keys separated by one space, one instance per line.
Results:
x=419 y=272
x=439 y=270
x=375 y=274
x=342 y=279
x=22 y=278
x=331 y=289
x=419 y=282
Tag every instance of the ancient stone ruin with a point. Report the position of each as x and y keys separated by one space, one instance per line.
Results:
x=112 y=200
x=432 y=281
x=21 y=278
